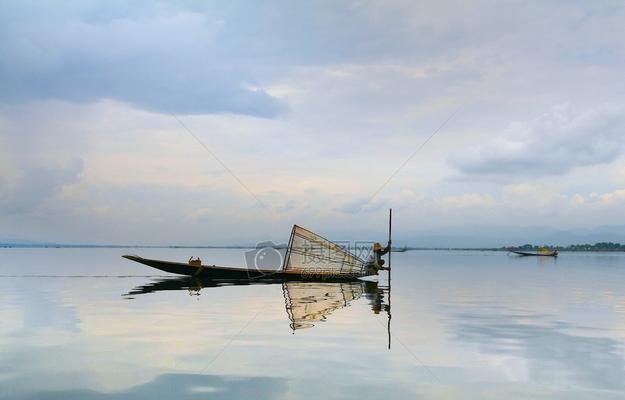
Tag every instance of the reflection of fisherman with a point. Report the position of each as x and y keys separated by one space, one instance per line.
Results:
x=375 y=262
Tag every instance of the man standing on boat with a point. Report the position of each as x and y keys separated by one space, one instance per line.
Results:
x=375 y=260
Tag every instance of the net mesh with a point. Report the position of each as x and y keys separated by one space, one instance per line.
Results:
x=308 y=303
x=313 y=254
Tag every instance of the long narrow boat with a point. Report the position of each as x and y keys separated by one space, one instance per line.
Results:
x=222 y=273
x=308 y=257
x=550 y=253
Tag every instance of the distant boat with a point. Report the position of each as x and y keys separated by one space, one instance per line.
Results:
x=541 y=252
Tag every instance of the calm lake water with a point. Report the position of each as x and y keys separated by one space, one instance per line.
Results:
x=87 y=324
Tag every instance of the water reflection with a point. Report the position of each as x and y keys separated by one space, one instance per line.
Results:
x=550 y=351
x=183 y=387
x=468 y=325
x=306 y=303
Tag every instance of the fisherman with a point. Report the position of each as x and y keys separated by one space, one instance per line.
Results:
x=375 y=261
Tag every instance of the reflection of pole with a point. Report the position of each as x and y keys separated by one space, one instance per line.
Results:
x=288 y=305
x=390 y=250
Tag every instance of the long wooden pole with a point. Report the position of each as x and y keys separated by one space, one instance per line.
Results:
x=390 y=250
x=390 y=242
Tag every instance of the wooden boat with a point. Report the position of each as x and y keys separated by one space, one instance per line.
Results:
x=308 y=257
x=225 y=274
x=547 y=253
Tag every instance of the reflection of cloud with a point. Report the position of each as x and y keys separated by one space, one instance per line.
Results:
x=551 y=355
x=181 y=387
x=195 y=386
x=41 y=310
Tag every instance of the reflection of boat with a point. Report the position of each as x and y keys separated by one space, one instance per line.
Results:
x=306 y=303
x=191 y=284
x=310 y=302
x=308 y=256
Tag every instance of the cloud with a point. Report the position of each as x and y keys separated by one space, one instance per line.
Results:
x=553 y=144
x=163 y=62
x=467 y=200
x=190 y=58
x=362 y=204
x=364 y=84
x=35 y=184
x=615 y=196
x=541 y=196
x=198 y=58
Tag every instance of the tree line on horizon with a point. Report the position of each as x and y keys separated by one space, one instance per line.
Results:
x=599 y=246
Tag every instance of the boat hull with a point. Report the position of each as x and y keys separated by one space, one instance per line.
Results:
x=526 y=253
x=224 y=274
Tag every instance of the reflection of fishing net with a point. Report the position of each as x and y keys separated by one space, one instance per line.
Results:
x=312 y=254
x=307 y=302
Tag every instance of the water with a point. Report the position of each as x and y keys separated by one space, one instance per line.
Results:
x=87 y=324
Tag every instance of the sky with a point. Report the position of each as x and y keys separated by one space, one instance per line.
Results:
x=227 y=122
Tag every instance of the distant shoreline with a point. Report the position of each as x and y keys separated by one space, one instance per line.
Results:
x=568 y=249
x=112 y=246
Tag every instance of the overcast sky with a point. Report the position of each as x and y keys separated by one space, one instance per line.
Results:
x=312 y=106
